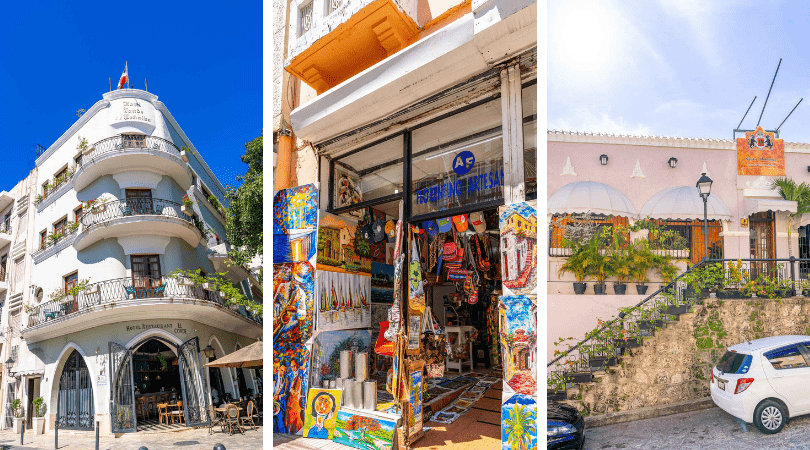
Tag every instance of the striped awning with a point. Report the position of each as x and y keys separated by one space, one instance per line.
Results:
x=590 y=197
x=684 y=203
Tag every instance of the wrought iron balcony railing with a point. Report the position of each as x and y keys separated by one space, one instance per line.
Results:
x=105 y=212
x=123 y=289
x=122 y=143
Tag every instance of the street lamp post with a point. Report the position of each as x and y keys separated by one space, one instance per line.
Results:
x=704 y=186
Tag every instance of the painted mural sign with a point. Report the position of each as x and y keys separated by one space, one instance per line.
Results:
x=760 y=153
x=364 y=432
x=326 y=352
x=290 y=383
x=322 y=406
x=518 y=225
x=343 y=301
x=518 y=329
x=519 y=423
x=295 y=224
x=293 y=301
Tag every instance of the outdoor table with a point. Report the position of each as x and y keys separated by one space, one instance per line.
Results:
x=222 y=410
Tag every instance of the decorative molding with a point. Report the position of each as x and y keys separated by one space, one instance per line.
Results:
x=62 y=244
x=760 y=188
x=637 y=172
x=705 y=170
x=657 y=141
x=735 y=234
x=568 y=169
x=64 y=187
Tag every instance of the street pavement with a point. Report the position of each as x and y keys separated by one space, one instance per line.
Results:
x=706 y=429
x=196 y=439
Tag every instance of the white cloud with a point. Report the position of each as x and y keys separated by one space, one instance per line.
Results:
x=598 y=122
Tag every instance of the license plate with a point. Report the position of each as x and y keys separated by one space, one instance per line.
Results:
x=721 y=385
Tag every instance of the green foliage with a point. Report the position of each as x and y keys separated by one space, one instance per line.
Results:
x=577 y=264
x=39 y=411
x=16 y=408
x=243 y=221
x=641 y=260
x=217 y=282
x=60 y=293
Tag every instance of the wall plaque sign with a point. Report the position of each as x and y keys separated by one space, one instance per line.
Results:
x=760 y=153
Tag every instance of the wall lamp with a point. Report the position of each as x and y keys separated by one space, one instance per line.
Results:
x=673 y=162
x=9 y=364
x=603 y=159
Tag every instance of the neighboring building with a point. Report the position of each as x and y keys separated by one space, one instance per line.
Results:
x=620 y=179
x=105 y=206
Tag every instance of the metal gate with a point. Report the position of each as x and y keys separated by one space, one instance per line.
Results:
x=75 y=402
x=8 y=413
x=193 y=384
x=122 y=394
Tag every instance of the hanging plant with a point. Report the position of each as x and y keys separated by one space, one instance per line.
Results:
x=163 y=363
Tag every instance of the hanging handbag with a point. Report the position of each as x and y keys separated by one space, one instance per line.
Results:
x=434 y=351
x=383 y=345
x=457 y=274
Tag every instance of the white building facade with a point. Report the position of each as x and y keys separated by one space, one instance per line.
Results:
x=105 y=211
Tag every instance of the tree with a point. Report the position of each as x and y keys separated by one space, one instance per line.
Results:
x=244 y=219
x=799 y=193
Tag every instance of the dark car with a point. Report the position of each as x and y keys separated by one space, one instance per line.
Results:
x=566 y=427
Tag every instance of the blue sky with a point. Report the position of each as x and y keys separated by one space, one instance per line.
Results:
x=202 y=59
x=677 y=68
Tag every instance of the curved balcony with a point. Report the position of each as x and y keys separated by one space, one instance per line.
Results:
x=142 y=299
x=126 y=154
x=137 y=217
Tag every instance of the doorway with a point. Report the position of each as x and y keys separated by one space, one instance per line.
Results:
x=146 y=275
x=74 y=408
x=762 y=241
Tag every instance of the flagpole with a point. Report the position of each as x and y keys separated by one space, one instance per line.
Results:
x=146 y=86
x=110 y=84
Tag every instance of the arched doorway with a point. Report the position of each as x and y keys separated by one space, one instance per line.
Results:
x=75 y=400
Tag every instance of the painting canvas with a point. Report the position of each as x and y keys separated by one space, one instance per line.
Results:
x=295 y=210
x=343 y=301
x=290 y=383
x=518 y=328
x=364 y=432
x=326 y=352
x=293 y=301
x=382 y=283
x=415 y=388
x=322 y=408
x=348 y=189
x=518 y=224
x=294 y=247
x=341 y=245
x=519 y=423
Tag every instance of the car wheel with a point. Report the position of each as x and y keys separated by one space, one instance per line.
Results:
x=770 y=417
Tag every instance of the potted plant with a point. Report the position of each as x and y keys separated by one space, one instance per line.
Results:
x=735 y=283
x=184 y=153
x=665 y=268
x=641 y=260
x=187 y=205
x=39 y=412
x=597 y=263
x=19 y=416
x=577 y=264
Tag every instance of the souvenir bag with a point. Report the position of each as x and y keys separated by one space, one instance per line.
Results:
x=416 y=290
x=384 y=346
x=394 y=313
x=482 y=262
x=435 y=351
x=457 y=274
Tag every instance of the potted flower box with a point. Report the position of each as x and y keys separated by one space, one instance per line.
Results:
x=579 y=288
x=184 y=155
x=633 y=342
x=556 y=396
x=650 y=324
x=676 y=310
x=730 y=294
x=599 y=288
x=39 y=420
x=619 y=289
x=185 y=281
x=599 y=362
x=641 y=289
x=579 y=377
x=186 y=210
x=99 y=208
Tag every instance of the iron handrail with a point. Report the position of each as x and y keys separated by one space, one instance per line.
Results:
x=120 y=143
x=104 y=212
x=121 y=289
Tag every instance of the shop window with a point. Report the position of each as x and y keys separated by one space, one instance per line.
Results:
x=369 y=174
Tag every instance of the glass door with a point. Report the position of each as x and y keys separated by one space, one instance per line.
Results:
x=762 y=242
x=139 y=201
x=146 y=276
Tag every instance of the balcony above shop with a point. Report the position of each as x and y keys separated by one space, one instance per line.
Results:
x=3 y=280
x=337 y=39
x=5 y=236
x=131 y=153
x=138 y=217
x=219 y=256
x=127 y=299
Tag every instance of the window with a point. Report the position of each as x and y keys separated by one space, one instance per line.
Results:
x=368 y=174
x=134 y=140
x=71 y=280
x=45 y=188
x=733 y=362
x=7 y=222
x=305 y=22
x=145 y=273
x=205 y=191
x=77 y=213
x=788 y=357
x=78 y=160
x=43 y=236
x=60 y=227
x=59 y=175
x=139 y=201
x=3 y=264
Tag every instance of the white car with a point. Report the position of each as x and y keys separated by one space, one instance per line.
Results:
x=764 y=381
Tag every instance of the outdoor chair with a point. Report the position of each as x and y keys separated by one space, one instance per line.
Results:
x=51 y=314
x=178 y=413
x=131 y=291
x=163 y=412
x=125 y=210
x=216 y=419
x=160 y=289
x=232 y=418
x=142 y=410
x=248 y=419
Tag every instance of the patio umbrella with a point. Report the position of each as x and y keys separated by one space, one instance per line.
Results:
x=250 y=356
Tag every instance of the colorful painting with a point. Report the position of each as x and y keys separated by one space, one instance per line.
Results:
x=518 y=327
x=519 y=423
x=445 y=417
x=322 y=408
x=343 y=301
x=342 y=247
x=382 y=283
x=295 y=210
x=348 y=190
x=293 y=301
x=415 y=380
x=294 y=247
x=290 y=382
x=326 y=352
x=364 y=432
x=518 y=224
x=463 y=403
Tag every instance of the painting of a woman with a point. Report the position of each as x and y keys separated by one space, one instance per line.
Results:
x=295 y=416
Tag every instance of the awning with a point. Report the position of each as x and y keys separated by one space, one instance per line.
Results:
x=684 y=203
x=590 y=196
x=755 y=205
x=250 y=356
